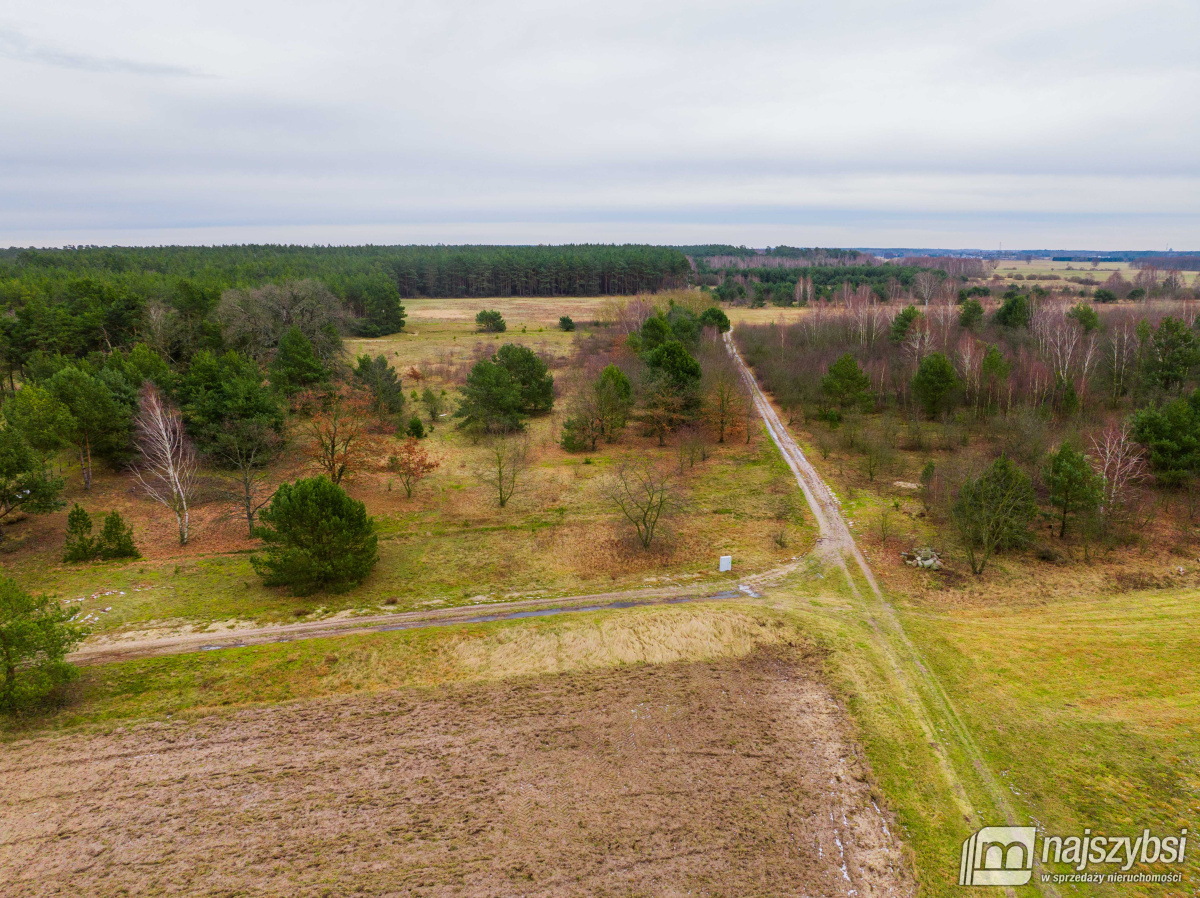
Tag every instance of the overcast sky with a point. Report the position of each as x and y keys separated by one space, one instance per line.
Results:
x=1032 y=123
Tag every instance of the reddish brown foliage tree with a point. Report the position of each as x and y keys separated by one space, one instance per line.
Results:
x=344 y=433
x=412 y=464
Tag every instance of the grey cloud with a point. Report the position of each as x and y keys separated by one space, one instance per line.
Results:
x=14 y=45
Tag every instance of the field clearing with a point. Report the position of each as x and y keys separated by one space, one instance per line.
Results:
x=1088 y=706
x=766 y=315
x=718 y=777
x=440 y=334
x=443 y=337
x=1048 y=266
x=449 y=544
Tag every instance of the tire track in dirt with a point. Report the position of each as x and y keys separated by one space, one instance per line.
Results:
x=836 y=543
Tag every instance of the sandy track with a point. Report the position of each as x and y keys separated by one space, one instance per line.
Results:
x=104 y=649
x=713 y=778
x=930 y=705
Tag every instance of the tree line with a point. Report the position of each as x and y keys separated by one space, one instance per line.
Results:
x=584 y=269
x=182 y=300
x=482 y=271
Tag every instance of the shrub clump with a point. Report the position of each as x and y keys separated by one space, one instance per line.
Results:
x=715 y=317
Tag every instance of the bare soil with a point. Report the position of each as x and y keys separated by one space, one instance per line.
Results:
x=733 y=777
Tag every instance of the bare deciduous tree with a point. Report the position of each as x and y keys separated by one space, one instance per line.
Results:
x=158 y=323
x=1121 y=464
x=1147 y=279
x=168 y=469
x=1087 y=361
x=1060 y=338
x=925 y=284
x=247 y=447
x=254 y=320
x=970 y=366
x=1121 y=356
x=724 y=397
x=865 y=314
x=918 y=341
x=644 y=496
x=690 y=448
x=505 y=460
x=943 y=315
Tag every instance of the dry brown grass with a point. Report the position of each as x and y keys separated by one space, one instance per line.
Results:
x=661 y=636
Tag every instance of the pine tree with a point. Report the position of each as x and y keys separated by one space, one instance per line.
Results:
x=846 y=384
x=490 y=321
x=531 y=376
x=35 y=637
x=1074 y=486
x=80 y=546
x=116 y=539
x=317 y=538
x=935 y=383
x=295 y=365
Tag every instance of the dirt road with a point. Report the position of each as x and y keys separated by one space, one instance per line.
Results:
x=927 y=700
x=128 y=646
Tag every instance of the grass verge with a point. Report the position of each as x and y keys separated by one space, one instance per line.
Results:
x=203 y=683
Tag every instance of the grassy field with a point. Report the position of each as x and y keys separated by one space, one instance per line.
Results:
x=201 y=683
x=1008 y=267
x=1084 y=706
x=451 y=544
x=1073 y=678
x=1086 y=701
x=440 y=338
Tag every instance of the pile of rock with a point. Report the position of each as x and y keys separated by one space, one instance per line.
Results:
x=925 y=558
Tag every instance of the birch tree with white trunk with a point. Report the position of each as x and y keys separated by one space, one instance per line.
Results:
x=167 y=471
x=1121 y=464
